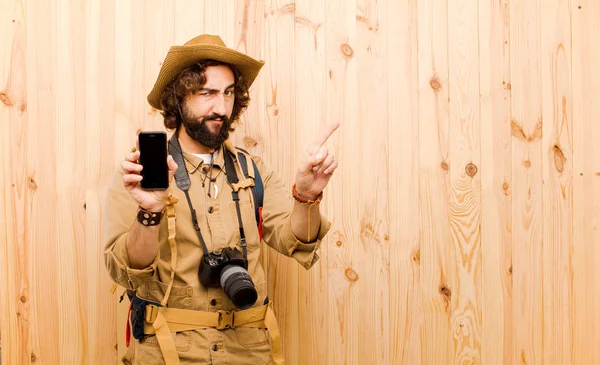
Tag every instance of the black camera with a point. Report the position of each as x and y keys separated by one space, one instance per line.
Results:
x=229 y=270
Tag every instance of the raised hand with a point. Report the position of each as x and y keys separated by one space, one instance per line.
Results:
x=151 y=200
x=317 y=165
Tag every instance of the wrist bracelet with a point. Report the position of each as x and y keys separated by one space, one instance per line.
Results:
x=148 y=218
x=302 y=200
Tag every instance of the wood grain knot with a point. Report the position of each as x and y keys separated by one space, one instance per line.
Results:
x=32 y=184
x=505 y=187
x=471 y=169
x=417 y=257
x=273 y=110
x=446 y=292
x=5 y=99
x=347 y=51
x=508 y=86
x=84 y=206
x=510 y=270
x=518 y=132
x=527 y=164
x=23 y=299
x=33 y=357
x=338 y=243
x=435 y=84
x=444 y=166
x=250 y=142
x=351 y=274
x=559 y=159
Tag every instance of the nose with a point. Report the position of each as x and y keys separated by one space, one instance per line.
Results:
x=220 y=106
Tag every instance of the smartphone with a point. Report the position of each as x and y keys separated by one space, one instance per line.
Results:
x=153 y=157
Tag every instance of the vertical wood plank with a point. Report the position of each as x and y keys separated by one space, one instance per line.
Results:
x=249 y=31
x=372 y=158
x=100 y=310
x=159 y=36
x=465 y=179
x=342 y=106
x=311 y=115
x=69 y=174
x=586 y=182
x=526 y=129
x=278 y=75
x=557 y=161
x=15 y=279
x=42 y=180
x=189 y=20
x=437 y=279
x=219 y=20
x=404 y=316
x=130 y=100
x=496 y=176
x=129 y=109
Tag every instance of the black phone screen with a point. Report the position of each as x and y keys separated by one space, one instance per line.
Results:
x=153 y=158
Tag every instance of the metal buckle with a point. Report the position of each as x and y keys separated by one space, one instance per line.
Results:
x=225 y=320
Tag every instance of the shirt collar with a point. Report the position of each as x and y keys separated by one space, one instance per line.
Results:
x=193 y=162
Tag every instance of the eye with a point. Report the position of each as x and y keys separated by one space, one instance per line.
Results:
x=229 y=92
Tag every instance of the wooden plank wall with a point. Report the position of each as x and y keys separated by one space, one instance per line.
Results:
x=466 y=209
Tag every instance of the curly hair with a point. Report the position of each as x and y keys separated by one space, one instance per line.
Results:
x=190 y=81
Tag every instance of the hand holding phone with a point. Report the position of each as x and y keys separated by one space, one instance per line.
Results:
x=151 y=194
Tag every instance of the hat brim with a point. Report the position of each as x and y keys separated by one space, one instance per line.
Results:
x=180 y=57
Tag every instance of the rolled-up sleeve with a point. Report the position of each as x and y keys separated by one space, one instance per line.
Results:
x=277 y=228
x=118 y=216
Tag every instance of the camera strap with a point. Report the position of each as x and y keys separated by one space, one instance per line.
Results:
x=182 y=179
x=233 y=182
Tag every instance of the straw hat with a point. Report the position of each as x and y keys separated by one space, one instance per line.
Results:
x=202 y=47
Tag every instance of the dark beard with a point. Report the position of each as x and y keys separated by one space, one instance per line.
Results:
x=199 y=131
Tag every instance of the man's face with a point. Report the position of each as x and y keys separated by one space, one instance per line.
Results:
x=206 y=113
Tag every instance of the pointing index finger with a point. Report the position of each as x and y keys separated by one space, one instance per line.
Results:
x=325 y=133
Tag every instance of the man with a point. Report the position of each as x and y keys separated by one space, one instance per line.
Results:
x=155 y=248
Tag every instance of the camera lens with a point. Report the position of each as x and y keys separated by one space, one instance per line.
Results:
x=238 y=286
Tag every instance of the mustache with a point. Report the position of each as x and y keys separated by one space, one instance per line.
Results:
x=215 y=116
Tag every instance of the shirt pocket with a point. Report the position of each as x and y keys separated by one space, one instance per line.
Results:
x=182 y=340
x=249 y=345
x=180 y=296
x=250 y=337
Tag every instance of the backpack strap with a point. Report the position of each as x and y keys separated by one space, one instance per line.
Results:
x=258 y=192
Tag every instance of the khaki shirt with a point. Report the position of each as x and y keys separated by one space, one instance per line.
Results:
x=218 y=221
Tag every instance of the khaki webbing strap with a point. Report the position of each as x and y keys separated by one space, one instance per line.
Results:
x=162 y=321
x=165 y=341
x=273 y=328
x=171 y=219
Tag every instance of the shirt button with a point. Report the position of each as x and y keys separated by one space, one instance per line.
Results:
x=215 y=347
x=210 y=209
x=213 y=302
